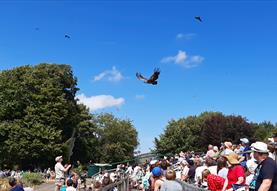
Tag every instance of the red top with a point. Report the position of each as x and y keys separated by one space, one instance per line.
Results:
x=233 y=175
x=215 y=183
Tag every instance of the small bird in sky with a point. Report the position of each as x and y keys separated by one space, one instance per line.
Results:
x=67 y=36
x=198 y=18
x=152 y=80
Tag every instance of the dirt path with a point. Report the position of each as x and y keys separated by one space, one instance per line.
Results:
x=46 y=187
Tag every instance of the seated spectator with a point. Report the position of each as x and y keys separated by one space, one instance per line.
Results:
x=170 y=184
x=215 y=183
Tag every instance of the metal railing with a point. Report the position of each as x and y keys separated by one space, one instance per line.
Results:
x=190 y=187
x=122 y=185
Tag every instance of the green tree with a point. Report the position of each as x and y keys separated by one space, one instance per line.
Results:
x=38 y=113
x=117 y=138
x=263 y=130
x=196 y=132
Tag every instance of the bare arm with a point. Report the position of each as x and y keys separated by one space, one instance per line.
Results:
x=240 y=180
x=67 y=168
x=225 y=185
x=265 y=185
x=157 y=185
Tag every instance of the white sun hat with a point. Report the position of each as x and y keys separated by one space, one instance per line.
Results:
x=259 y=147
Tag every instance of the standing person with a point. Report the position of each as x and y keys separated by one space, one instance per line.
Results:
x=265 y=177
x=228 y=148
x=222 y=169
x=245 y=153
x=59 y=171
x=235 y=174
x=157 y=179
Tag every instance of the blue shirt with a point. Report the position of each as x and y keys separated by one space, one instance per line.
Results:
x=17 y=188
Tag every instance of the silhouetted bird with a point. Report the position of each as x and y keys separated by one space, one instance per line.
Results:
x=198 y=18
x=67 y=36
x=152 y=80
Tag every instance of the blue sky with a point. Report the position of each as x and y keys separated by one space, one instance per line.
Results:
x=227 y=63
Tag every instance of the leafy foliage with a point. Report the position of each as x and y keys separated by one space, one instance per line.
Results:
x=40 y=119
x=31 y=179
x=37 y=113
x=196 y=132
x=117 y=138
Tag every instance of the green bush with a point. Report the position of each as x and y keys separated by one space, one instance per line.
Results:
x=31 y=179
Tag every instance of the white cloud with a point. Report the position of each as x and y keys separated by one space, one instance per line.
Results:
x=182 y=58
x=187 y=36
x=112 y=75
x=139 y=97
x=194 y=61
x=179 y=58
x=100 y=101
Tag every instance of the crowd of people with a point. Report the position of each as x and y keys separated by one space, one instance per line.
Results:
x=243 y=167
x=231 y=167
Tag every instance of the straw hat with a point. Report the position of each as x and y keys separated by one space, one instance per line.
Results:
x=232 y=158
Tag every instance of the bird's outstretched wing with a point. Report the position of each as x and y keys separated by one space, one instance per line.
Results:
x=155 y=75
x=140 y=77
x=198 y=18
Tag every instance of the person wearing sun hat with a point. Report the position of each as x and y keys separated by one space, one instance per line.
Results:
x=235 y=174
x=59 y=171
x=265 y=177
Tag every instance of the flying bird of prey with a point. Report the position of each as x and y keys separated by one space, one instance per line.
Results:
x=66 y=36
x=198 y=18
x=152 y=80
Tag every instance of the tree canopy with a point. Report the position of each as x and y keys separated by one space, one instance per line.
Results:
x=196 y=132
x=40 y=119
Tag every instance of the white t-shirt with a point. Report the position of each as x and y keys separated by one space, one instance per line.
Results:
x=59 y=170
x=213 y=169
x=70 y=188
x=198 y=172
